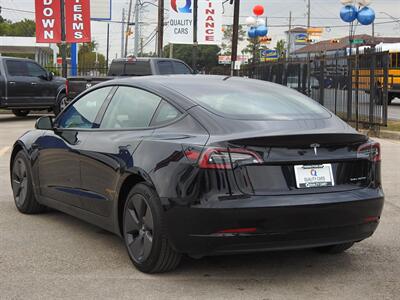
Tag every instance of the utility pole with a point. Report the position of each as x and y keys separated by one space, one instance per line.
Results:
x=308 y=53
x=137 y=28
x=63 y=43
x=195 y=44
x=123 y=32
x=289 y=35
x=235 y=34
x=171 y=50
x=160 y=30
x=108 y=45
x=128 y=29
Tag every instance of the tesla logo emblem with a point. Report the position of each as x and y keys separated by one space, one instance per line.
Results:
x=315 y=146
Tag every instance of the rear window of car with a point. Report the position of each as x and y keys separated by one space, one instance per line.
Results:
x=251 y=100
x=136 y=68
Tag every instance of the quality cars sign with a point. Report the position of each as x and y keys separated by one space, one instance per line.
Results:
x=77 y=21
x=48 y=21
x=180 y=22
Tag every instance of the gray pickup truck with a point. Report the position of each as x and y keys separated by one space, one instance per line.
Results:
x=131 y=66
x=26 y=86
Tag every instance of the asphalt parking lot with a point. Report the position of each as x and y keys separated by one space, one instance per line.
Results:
x=54 y=255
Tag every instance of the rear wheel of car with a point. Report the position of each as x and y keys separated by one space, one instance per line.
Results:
x=61 y=103
x=145 y=234
x=20 y=112
x=335 y=249
x=22 y=186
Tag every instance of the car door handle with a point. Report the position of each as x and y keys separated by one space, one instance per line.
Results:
x=33 y=83
x=11 y=82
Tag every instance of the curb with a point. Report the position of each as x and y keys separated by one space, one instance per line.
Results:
x=384 y=134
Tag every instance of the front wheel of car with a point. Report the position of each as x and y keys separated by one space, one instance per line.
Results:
x=144 y=231
x=22 y=186
x=20 y=112
x=335 y=249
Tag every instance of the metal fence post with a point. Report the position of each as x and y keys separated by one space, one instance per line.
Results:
x=385 y=65
x=349 y=88
x=372 y=86
x=321 y=80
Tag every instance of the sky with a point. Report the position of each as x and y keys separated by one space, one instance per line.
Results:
x=323 y=13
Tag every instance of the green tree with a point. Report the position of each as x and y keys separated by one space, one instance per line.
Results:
x=226 y=46
x=207 y=55
x=254 y=47
x=281 y=48
x=21 y=28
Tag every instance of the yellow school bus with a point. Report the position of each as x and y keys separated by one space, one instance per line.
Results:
x=393 y=73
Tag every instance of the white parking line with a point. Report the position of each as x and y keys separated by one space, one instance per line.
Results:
x=4 y=151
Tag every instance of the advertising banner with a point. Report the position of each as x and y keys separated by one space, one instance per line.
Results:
x=77 y=21
x=180 y=21
x=209 y=22
x=301 y=39
x=268 y=55
x=48 y=21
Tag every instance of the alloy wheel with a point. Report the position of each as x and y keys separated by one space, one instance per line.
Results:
x=20 y=181
x=63 y=103
x=138 y=228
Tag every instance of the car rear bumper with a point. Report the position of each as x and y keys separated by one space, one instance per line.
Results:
x=281 y=222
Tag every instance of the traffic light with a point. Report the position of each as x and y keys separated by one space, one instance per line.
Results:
x=335 y=41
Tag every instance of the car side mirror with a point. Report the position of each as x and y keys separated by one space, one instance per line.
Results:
x=44 y=123
x=50 y=76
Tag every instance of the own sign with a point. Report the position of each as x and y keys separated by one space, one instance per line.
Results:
x=48 y=21
x=77 y=19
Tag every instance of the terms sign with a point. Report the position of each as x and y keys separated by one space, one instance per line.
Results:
x=77 y=21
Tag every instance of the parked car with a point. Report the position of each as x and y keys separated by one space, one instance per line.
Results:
x=131 y=66
x=26 y=86
x=202 y=165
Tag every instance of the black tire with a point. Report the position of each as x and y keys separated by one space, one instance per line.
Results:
x=20 y=112
x=144 y=232
x=61 y=103
x=21 y=181
x=335 y=249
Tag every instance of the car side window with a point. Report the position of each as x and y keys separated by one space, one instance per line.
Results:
x=130 y=108
x=82 y=114
x=181 y=68
x=165 y=114
x=34 y=70
x=165 y=67
x=17 y=68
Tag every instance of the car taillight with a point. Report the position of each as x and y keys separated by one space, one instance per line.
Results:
x=370 y=150
x=222 y=158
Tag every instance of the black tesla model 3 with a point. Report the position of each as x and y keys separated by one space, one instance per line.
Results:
x=202 y=165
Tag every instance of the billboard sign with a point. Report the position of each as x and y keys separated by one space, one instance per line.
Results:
x=268 y=55
x=77 y=21
x=301 y=39
x=48 y=21
x=101 y=10
x=209 y=22
x=180 y=21
x=226 y=59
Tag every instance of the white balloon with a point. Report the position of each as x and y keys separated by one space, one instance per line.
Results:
x=346 y=2
x=260 y=22
x=250 y=21
x=364 y=2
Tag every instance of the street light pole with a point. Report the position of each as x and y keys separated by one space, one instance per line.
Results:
x=128 y=29
x=235 y=34
x=63 y=42
x=160 y=29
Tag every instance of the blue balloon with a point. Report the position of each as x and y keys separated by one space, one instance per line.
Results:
x=366 y=16
x=261 y=30
x=348 y=13
x=252 y=33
